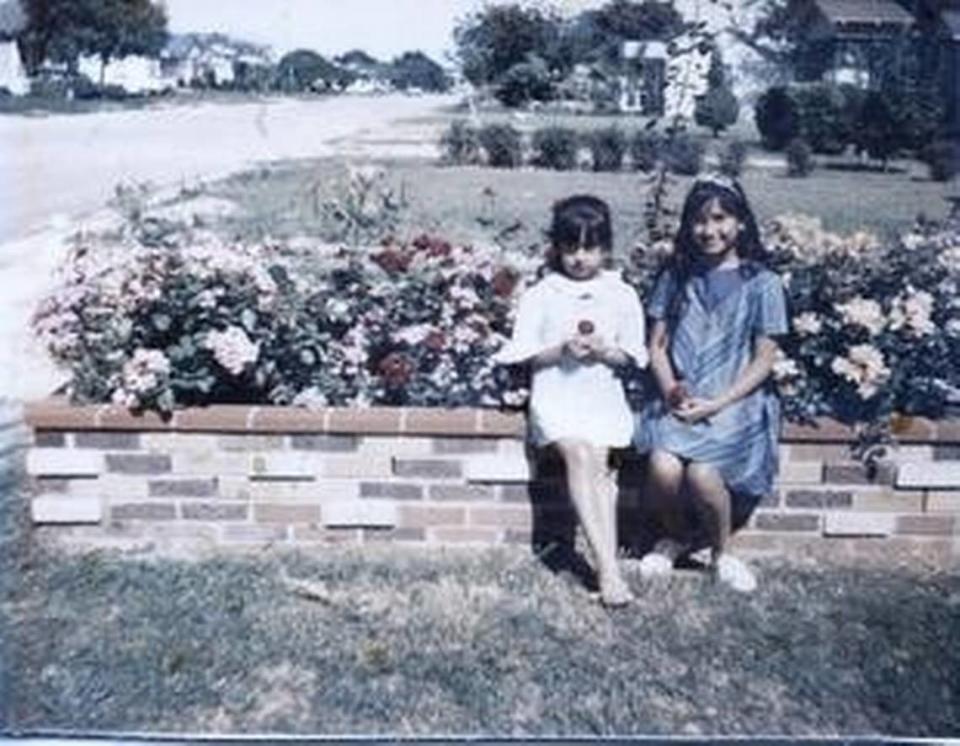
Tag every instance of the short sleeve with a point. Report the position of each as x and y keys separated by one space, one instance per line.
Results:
x=527 y=338
x=631 y=332
x=771 y=317
x=663 y=290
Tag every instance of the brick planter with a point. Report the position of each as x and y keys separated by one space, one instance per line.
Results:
x=256 y=476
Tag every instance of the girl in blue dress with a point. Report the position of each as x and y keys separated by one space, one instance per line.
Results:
x=575 y=328
x=713 y=432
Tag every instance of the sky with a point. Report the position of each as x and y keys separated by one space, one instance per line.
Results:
x=384 y=28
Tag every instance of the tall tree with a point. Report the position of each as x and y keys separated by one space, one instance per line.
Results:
x=417 y=70
x=62 y=30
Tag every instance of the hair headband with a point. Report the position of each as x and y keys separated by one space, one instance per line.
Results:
x=721 y=181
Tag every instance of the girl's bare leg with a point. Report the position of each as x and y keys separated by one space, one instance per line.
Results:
x=590 y=493
x=664 y=481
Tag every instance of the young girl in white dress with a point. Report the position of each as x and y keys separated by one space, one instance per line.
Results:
x=576 y=327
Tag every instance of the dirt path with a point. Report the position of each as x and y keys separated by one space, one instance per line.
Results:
x=60 y=170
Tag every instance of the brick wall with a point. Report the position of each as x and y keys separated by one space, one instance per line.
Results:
x=255 y=476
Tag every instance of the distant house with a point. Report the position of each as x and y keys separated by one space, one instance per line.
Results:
x=13 y=78
x=643 y=77
x=135 y=73
x=210 y=59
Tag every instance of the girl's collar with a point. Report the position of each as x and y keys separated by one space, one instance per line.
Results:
x=560 y=282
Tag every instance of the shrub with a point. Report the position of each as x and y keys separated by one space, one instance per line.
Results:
x=876 y=132
x=608 y=146
x=777 y=118
x=733 y=157
x=943 y=159
x=683 y=154
x=460 y=143
x=208 y=321
x=502 y=144
x=645 y=150
x=718 y=108
x=525 y=82
x=823 y=115
x=800 y=161
x=555 y=147
x=919 y=113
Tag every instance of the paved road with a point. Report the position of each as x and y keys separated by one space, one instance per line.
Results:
x=56 y=171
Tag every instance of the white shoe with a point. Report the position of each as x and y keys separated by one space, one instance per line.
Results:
x=735 y=573
x=655 y=565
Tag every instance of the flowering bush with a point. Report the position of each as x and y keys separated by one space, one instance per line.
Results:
x=206 y=321
x=876 y=326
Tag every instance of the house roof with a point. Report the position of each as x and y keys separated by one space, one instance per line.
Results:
x=12 y=18
x=864 y=12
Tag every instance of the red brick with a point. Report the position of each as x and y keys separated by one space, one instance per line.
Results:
x=501 y=517
x=248 y=533
x=819 y=452
x=394 y=534
x=514 y=493
x=825 y=430
x=138 y=463
x=112 y=417
x=859 y=473
x=461 y=492
x=926 y=525
x=819 y=498
x=786 y=521
x=49 y=439
x=493 y=422
x=324 y=442
x=289 y=420
x=419 y=516
x=385 y=420
x=424 y=421
x=182 y=487
x=322 y=535
x=286 y=513
x=457 y=446
x=427 y=468
x=393 y=490
x=217 y=418
x=446 y=535
x=214 y=511
x=907 y=429
x=948 y=431
x=143 y=511
x=59 y=414
x=107 y=440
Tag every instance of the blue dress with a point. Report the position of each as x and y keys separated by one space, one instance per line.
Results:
x=711 y=342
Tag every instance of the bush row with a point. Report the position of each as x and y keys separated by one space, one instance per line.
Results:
x=831 y=117
x=559 y=148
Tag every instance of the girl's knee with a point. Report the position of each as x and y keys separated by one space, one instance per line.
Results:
x=576 y=452
x=703 y=475
x=665 y=466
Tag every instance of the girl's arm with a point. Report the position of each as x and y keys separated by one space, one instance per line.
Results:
x=660 y=359
x=756 y=372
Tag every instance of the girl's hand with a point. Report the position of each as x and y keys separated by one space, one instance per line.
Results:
x=579 y=348
x=693 y=409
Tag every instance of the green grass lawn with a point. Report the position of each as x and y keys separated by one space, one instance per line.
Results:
x=476 y=204
x=414 y=642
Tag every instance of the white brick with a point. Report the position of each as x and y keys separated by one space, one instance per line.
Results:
x=60 y=509
x=905 y=454
x=935 y=474
x=110 y=485
x=858 y=524
x=356 y=467
x=211 y=461
x=512 y=448
x=360 y=513
x=943 y=502
x=323 y=490
x=63 y=462
x=498 y=468
x=801 y=472
x=286 y=464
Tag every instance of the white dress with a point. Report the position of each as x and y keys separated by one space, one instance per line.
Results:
x=584 y=401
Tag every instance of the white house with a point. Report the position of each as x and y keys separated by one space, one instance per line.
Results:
x=135 y=74
x=12 y=75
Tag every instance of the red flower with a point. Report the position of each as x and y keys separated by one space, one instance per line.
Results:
x=396 y=369
x=585 y=326
x=504 y=282
x=392 y=260
x=435 y=340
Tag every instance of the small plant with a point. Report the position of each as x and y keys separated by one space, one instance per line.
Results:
x=718 y=108
x=645 y=150
x=683 y=154
x=800 y=161
x=366 y=208
x=733 y=157
x=943 y=159
x=460 y=144
x=502 y=145
x=608 y=146
x=556 y=148
x=777 y=118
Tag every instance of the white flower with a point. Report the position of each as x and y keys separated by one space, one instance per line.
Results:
x=141 y=372
x=913 y=312
x=206 y=298
x=413 y=335
x=785 y=368
x=862 y=312
x=311 y=398
x=911 y=241
x=865 y=367
x=124 y=398
x=232 y=349
x=808 y=323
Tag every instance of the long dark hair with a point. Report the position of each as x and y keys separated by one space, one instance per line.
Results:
x=686 y=253
x=580 y=220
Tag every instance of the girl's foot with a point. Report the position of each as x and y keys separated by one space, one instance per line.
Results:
x=658 y=562
x=735 y=573
x=614 y=592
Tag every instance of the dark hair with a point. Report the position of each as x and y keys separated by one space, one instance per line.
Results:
x=686 y=253
x=580 y=220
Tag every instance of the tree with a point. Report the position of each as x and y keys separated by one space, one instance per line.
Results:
x=304 y=70
x=493 y=40
x=62 y=30
x=718 y=108
x=417 y=70
x=625 y=19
